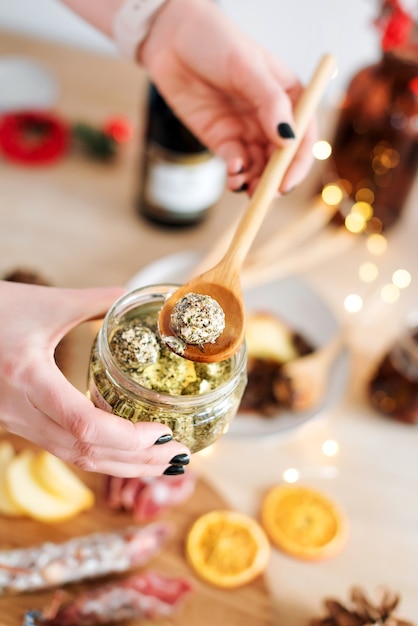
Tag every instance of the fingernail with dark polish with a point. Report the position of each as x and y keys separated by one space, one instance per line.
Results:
x=163 y=439
x=243 y=187
x=174 y=470
x=285 y=130
x=180 y=459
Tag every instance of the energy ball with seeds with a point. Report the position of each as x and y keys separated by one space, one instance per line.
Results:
x=197 y=319
x=134 y=345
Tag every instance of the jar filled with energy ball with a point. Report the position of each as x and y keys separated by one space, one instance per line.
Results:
x=135 y=375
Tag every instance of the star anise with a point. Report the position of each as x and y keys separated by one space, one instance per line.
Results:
x=361 y=611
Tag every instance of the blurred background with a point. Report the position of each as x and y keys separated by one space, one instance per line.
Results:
x=78 y=222
x=298 y=32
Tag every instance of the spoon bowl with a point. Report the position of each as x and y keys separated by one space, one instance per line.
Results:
x=229 y=296
x=222 y=282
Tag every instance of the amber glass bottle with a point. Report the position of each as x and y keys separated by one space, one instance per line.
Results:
x=181 y=180
x=393 y=388
x=375 y=145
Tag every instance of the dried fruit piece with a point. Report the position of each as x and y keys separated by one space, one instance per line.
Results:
x=28 y=494
x=7 y=505
x=56 y=477
x=303 y=522
x=227 y=549
x=268 y=337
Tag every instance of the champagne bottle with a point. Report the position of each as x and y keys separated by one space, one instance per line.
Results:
x=181 y=178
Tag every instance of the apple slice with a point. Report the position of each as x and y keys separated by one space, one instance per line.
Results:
x=27 y=493
x=268 y=337
x=59 y=480
x=7 y=505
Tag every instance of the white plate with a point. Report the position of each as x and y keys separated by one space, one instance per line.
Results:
x=26 y=84
x=298 y=305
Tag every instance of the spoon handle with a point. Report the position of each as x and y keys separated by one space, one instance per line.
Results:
x=278 y=164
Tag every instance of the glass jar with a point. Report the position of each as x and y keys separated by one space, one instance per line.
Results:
x=196 y=400
x=393 y=388
x=375 y=145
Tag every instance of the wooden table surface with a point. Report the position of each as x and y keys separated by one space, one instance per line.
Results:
x=76 y=223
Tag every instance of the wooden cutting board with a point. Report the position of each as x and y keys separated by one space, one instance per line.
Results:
x=247 y=606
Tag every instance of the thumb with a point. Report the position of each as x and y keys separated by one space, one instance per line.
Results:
x=91 y=303
x=57 y=310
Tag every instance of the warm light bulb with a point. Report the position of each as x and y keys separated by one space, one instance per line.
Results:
x=330 y=447
x=376 y=244
x=353 y=303
x=365 y=195
x=401 y=278
x=332 y=194
x=362 y=208
x=368 y=272
x=291 y=475
x=390 y=293
x=355 y=223
x=322 y=150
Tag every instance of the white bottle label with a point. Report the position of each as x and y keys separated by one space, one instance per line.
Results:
x=185 y=188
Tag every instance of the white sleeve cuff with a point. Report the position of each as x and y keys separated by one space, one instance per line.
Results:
x=132 y=23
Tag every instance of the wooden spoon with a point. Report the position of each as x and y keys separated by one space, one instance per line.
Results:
x=309 y=374
x=222 y=282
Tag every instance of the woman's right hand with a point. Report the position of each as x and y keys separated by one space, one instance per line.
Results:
x=235 y=96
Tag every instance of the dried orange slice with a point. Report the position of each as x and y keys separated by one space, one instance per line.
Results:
x=303 y=522
x=227 y=548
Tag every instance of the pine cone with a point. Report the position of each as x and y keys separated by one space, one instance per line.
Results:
x=361 y=612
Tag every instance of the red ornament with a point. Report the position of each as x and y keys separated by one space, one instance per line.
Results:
x=398 y=30
x=33 y=138
x=395 y=24
x=119 y=128
x=413 y=86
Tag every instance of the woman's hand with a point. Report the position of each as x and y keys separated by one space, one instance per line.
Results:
x=38 y=403
x=234 y=95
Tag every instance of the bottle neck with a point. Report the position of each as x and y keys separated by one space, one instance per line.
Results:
x=166 y=130
x=399 y=69
x=405 y=53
